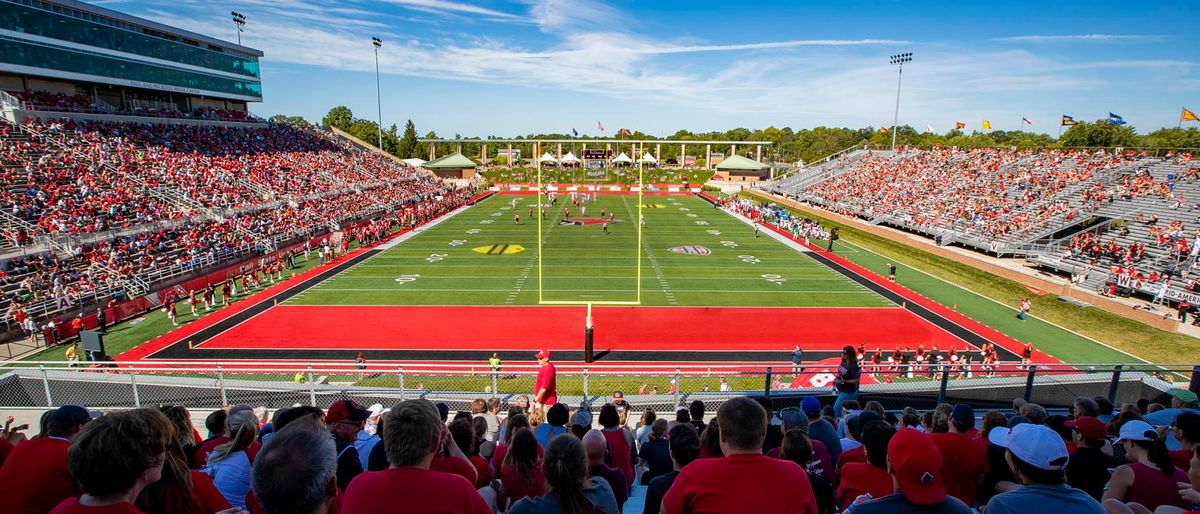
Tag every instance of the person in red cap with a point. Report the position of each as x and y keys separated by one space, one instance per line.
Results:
x=916 y=468
x=345 y=419
x=545 y=393
x=1088 y=467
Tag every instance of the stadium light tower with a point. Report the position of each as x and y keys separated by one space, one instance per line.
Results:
x=898 y=59
x=378 y=96
x=239 y=21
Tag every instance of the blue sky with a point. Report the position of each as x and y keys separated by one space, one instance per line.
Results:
x=495 y=67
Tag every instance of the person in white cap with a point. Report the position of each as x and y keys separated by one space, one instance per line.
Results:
x=1038 y=459
x=1150 y=480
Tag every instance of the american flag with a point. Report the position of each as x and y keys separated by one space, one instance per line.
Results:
x=1027 y=121
x=600 y=126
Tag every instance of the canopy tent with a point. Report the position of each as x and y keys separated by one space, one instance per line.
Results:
x=648 y=158
x=623 y=158
x=546 y=157
x=739 y=163
x=453 y=161
x=569 y=158
x=416 y=163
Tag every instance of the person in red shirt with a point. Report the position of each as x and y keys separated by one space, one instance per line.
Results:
x=113 y=458
x=871 y=477
x=964 y=462
x=1187 y=431
x=744 y=480
x=412 y=433
x=545 y=393
x=35 y=475
x=521 y=470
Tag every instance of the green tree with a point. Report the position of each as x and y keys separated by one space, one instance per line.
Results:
x=284 y=119
x=1099 y=134
x=340 y=117
x=407 y=147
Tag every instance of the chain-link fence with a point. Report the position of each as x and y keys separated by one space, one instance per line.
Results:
x=39 y=385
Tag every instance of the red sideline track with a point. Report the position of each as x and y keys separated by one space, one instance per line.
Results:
x=984 y=331
x=180 y=334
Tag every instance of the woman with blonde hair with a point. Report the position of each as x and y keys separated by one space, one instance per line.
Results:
x=229 y=464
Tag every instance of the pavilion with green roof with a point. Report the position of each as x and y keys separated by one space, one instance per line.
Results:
x=451 y=166
x=736 y=167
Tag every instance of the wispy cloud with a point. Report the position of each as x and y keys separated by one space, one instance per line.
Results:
x=443 y=6
x=1083 y=38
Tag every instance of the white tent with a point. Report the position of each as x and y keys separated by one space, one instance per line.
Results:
x=648 y=158
x=546 y=157
x=416 y=163
x=569 y=158
x=623 y=158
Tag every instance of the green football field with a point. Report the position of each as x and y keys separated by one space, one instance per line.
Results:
x=691 y=255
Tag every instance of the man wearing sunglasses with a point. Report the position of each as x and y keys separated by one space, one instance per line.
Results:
x=345 y=419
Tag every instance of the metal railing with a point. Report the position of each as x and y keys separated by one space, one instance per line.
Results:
x=665 y=387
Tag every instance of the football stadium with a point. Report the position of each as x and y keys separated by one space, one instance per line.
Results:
x=207 y=310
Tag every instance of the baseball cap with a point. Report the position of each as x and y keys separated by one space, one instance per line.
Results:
x=917 y=465
x=1089 y=427
x=1183 y=395
x=855 y=424
x=810 y=404
x=1012 y=422
x=544 y=354
x=1135 y=430
x=964 y=415
x=1036 y=445
x=582 y=418
x=346 y=410
x=71 y=415
x=375 y=409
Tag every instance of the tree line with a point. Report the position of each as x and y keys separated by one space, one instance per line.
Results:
x=789 y=145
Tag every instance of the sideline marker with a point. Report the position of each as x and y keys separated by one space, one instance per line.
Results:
x=190 y=345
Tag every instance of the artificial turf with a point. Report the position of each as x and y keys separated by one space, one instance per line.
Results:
x=482 y=256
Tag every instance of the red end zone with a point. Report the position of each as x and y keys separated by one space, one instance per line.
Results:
x=561 y=328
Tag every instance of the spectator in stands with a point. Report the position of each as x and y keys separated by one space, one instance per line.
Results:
x=113 y=458
x=848 y=376
x=685 y=448
x=1085 y=406
x=819 y=429
x=1150 y=478
x=223 y=436
x=1186 y=429
x=642 y=433
x=596 y=448
x=1035 y=413
x=36 y=474
x=511 y=425
x=710 y=442
x=571 y=491
x=1088 y=469
x=229 y=463
x=556 y=424
x=744 y=480
x=656 y=453
x=696 y=411
x=463 y=433
x=297 y=472
x=581 y=422
x=521 y=470
x=871 y=477
x=412 y=433
x=182 y=432
x=964 y=461
x=346 y=419
x=367 y=438
x=492 y=415
x=620 y=443
x=1038 y=458
x=854 y=431
x=797 y=447
x=916 y=468
x=180 y=489
x=820 y=464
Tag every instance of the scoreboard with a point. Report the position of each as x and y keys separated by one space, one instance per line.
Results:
x=596 y=155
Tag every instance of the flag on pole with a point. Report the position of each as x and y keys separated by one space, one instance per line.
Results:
x=884 y=130
x=1067 y=121
x=624 y=132
x=1026 y=121
x=959 y=125
x=1113 y=119
x=987 y=125
x=574 y=132
x=1187 y=115
x=928 y=128
x=601 y=126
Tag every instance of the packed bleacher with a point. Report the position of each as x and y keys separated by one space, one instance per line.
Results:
x=747 y=456
x=79 y=103
x=988 y=196
x=142 y=200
